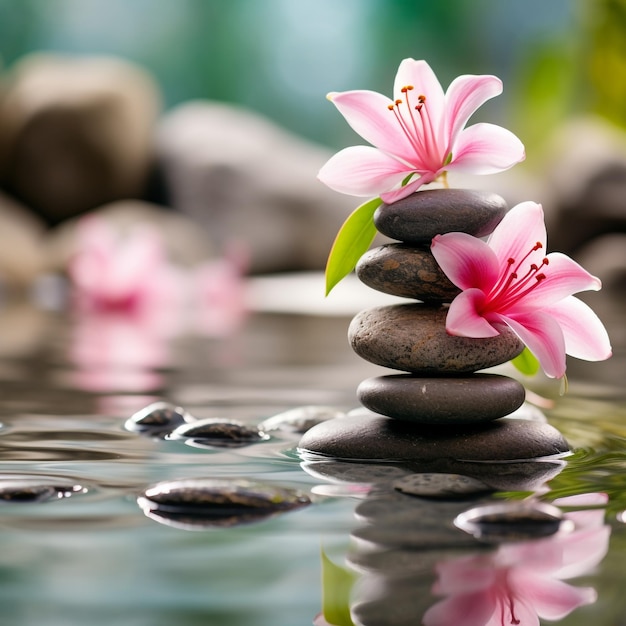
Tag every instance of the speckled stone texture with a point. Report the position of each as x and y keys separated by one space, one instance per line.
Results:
x=413 y=338
x=422 y=215
x=382 y=438
x=405 y=271
x=437 y=400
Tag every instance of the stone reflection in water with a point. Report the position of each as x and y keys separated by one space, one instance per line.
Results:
x=202 y=503
x=410 y=550
x=521 y=582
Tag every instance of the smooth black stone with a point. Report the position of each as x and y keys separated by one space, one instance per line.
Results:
x=510 y=521
x=157 y=418
x=413 y=338
x=442 y=400
x=379 y=438
x=297 y=421
x=406 y=271
x=424 y=214
x=204 y=502
x=37 y=491
x=218 y=433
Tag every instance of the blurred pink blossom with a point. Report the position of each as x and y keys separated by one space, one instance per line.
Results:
x=219 y=293
x=111 y=272
x=131 y=302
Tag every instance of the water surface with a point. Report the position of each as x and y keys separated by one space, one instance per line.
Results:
x=67 y=386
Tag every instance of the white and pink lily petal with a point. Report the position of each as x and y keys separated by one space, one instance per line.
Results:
x=510 y=281
x=418 y=135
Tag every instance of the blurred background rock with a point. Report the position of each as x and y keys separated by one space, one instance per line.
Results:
x=210 y=114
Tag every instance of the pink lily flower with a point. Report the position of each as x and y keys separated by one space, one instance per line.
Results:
x=521 y=582
x=510 y=281
x=421 y=132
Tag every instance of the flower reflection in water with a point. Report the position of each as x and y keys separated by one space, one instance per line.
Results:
x=522 y=582
x=220 y=293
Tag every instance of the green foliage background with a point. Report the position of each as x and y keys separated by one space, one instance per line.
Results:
x=280 y=57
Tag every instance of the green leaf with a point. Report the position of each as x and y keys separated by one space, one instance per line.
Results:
x=353 y=239
x=337 y=583
x=526 y=362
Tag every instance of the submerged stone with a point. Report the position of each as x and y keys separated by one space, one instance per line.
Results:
x=406 y=271
x=206 y=502
x=422 y=215
x=158 y=418
x=33 y=490
x=440 y=485
x=510 y=521
x=379 y=438
x=413 y=338
x=299 y=419
x=442 y=400
x=218 y=433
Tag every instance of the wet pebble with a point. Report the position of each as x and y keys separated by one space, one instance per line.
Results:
x=443 y=486
x=510 y=521
x=36 y=491
x=207 y=502
x=158 y=418
x=405 y=271
x=413 y=338
x=442 y=400
x=422 y=215
x=299 y=420
x=218 y=433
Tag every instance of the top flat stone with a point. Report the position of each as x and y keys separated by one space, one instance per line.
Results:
x=424 y=214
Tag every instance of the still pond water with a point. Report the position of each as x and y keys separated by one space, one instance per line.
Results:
x=92 y=557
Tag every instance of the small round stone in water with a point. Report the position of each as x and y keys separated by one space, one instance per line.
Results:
x=300 y=419
x=510 y=521
x=196 y=503
x=35 y=491
x=158 y=418
x=218 y=433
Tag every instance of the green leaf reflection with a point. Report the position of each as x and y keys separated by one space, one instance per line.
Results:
x=337 y=583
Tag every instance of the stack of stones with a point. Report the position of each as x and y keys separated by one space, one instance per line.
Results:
x=442 y=386
x=440 y=406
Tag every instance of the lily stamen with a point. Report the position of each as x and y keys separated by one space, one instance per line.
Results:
x=427 y=137
x=430 y=140
x=511 y=286
x=413 y=135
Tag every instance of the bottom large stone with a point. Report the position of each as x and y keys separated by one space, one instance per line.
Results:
x=379 y=438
